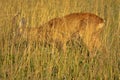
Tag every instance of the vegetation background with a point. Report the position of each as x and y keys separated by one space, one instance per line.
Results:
x=34 y=62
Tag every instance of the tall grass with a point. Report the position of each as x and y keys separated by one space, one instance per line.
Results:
x=31 y=61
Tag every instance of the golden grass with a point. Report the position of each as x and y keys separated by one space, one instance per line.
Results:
x=22 y=60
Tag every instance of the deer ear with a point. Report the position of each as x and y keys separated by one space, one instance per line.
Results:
x=22 y=22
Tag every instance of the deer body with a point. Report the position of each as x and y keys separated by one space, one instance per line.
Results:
x=86 y=25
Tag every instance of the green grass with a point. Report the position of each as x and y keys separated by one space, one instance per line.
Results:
x=31 y=61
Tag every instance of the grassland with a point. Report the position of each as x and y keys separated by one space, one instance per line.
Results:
x=31 y=61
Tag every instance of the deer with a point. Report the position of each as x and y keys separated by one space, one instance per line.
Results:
x=87 y=26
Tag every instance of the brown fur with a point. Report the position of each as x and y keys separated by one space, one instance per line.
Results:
x=85 y=25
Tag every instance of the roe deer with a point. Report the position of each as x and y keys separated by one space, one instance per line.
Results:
x=86 y=25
